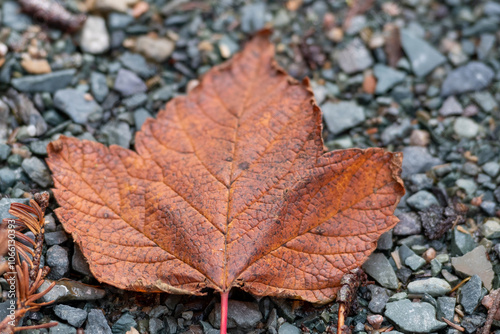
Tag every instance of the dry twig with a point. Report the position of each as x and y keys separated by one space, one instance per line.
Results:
x=349 y=285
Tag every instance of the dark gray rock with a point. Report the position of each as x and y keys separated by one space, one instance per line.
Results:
x=385 y=241
x=4 y=151
x=354 y=57
x=119 y=20
x=58 y=261
x=417 y=159
x=379 y=298
x=128 y=83
x=37 y=171
x=409 y=224
x=433 y=286
x=49 y=82
x=387 y=77
x=55 y=238
x=415 y=262
x=468 y=78
x=70 y=290
x=5 y=206
x=396 y=131
x=243 y=315
x=470 y=294
x=342 y=116
x=140 y=116
x=62 y=329
x=422 y=200
x=422 y=319
x=471 y=323
x=423 y=57
x=79 y=263
x=97 y=323
x=378 y=267
x=74 y=104
x=138 y=64
x=155 y=325
x=486 y=43
x=124 y=324
x=117 y=133
x=461 y=243
x=74 y=316
x=446 y=307
x=7 y=178
x=98 y=86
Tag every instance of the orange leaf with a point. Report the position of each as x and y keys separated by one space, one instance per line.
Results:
x=230 y=187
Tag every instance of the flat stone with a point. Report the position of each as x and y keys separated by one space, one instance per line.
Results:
x=117 y=133
x=342 y=116
x=355 y=57
x=94 y=37
x=129 y=83
x=465 y=127
x=49 y=82
x=378 y=267
x=492 y=168
x=475 y=262
x=433 y=286
x=387 y=77
x=98 y=86
x=461 y=243
x=136 y=63
x=55 y=238
x=243 y=315
x=62 y=329
x=468 y=185
x=417 y=159
x=468 y=78
x=79 y=263
x=491 y=229
x=37 y=171
x=446 y=308
x=74 y=104
x=5 y=206
x=385 y=241
x=70 y=290
x=436 y=267
x=124 y=324
x=413 y=317
x=379 y=298
x=140 y=116
x=74 y=316
x=97 y=323
x=470 y=294
x=13 y=17
x=58 y=261
x=7 y=178
x=396 y=131
x=485 y=100
x=409 y=224
x=287 y=328
x=451 y=107
x=422 y=200
x=423 y=57
x=158 y=49
x=415 y=262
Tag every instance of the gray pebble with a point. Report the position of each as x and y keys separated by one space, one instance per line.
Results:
x=128 y=83
x=49 y=82
x=423 y=57
x=422 y=200
x=422 y=319
x=378 y=267
x=387 y=77
x=417 y=159
x=415 y=262
x=287 y=328
x=433 y=286
x=354 y=57
x=379 y=298
x=62 y=329
x=240 y=315
x=58 y=261
x=342 y=116
x=470 y=294
x=74 y=104
x=465 y=127
x=446 y=307
x=98 y=86
x=74 y=316
x=37 y=171
x=471 y=77
x=97 y=323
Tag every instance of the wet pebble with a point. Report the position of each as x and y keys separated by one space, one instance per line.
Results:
x=74 y=316
x=423 y=319
x=470 y=294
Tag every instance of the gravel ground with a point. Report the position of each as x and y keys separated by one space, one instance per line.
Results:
x=418 y=76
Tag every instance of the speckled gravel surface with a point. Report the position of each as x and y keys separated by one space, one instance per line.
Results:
x=417 y=76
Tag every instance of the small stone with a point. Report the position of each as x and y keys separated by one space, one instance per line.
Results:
x=118 y=21
x=378 y=267
x=242 y=315
x=287 y=328
x=422 y=200
x=451 y=107
x=446 y=308
x=468 y=78
x=433 y=286
x=113 y=5
x=465 y=127
x=385 y=241
x=471 y=323
x=37 y=171
x=485 y=100
x=450 y=278
x=158 y=49
x=379 y=298
x=475 y=262
x=94 y=36
x=124 y=324
x=128 y=83
x=36 y=66
x=117 y=133
x=62 y=329
x=342 y=116
x=491 y=229
x=436 y=267
x=73 y=102
x=387 y=77
x=417 y=159
x=70 y=290
x=58 y=261
x=461 y=243
x=423 y=57
x=469 y=186
x=13 y=17
x=49 y=82
x=471 y=294
x=409 y=224
x=422 y=319
x=415 y=262
x=140 y=116
x=79 y=263
x=355 y=57
x=396 y=131
x=419 y=138
x=97 y=323
x=136 y=63
x=491 y=168
x=253 y=17
x=98 y=86
x=55 y=238
x=74 y=316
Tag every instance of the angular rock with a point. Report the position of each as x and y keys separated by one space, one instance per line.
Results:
x=446 y=307
x=342 y=116
x=491 y=229
x=243 y=315
x=37 y=171
x=471 y=294
x=433 y=286
x=387 y=77
x=58 y=261
x=62 y=329
x=49 y=82
x=287 y=328
x=451 y=107
x=468 y=78
x=253 y=17
x=379 y=298
x=354 y=57
x=378 y=267
x=475 y=262
x=413 y=317
x=74 y=104
x=74 y=316
x=98 y=86
x=128 y=83
x=423 y=57
x=415 y=262
x=97 y=323
x=461 y=243
x=409 y=224
x=124 y=324
x=422 y=200
x=136 y=63
x=417 y=159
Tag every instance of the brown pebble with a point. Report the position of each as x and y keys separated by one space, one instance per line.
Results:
x=140 y=8
x=36 y=66
x=429 y=255
x=369 y=83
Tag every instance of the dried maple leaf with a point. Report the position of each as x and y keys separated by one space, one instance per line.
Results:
x=230 y=187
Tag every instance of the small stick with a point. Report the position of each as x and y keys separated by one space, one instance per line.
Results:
x=451 y=324
x=224 y=301
x=460 y=284
x=491 y=313
x=342 y=312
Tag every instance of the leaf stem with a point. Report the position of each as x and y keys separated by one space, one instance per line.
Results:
x=224 y=297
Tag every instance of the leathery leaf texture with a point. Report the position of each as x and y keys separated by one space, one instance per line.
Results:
x=230 y=187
